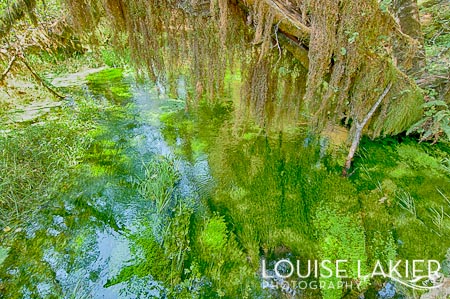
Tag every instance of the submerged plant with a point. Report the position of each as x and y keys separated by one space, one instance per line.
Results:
x=177 y=241
x=439 y=216
x=406 y=202
x=36 y=161
x=159 y=182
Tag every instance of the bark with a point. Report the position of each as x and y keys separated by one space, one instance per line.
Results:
x=407 y=14
x=292 y=32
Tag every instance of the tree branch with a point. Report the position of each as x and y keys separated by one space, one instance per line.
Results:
x=291 y=16
x=10 y=64
x=359 y=128
x=289 y=20
x=38 y=78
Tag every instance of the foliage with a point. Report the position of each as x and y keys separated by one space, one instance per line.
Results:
x=333 y=85
x=436 y=122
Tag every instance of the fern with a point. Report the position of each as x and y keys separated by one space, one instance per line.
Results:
x=435 y=124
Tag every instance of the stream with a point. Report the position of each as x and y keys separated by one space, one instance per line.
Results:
x=235 y=194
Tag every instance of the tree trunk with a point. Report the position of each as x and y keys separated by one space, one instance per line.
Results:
x=407 y=14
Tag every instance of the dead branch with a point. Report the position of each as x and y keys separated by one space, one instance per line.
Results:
x=10 y=64
x=359 y=128
x=39 y=79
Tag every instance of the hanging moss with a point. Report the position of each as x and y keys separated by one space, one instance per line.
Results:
x=355 y=50
x=16 y=11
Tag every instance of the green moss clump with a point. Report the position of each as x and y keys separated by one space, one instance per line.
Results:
x=105 y=76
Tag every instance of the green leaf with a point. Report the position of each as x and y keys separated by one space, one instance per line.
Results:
x=428 y=134
x=446 y=130
x=343 y=51
x=434 y=103
x=416 y=126
x=441 y=115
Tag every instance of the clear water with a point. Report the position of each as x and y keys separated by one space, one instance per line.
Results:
x=278 y=194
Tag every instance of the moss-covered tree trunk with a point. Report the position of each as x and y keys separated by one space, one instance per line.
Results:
x=407 y=13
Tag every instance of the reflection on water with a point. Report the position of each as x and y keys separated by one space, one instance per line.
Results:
x=224 y=194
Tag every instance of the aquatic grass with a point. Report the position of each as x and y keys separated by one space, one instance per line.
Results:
x=177 y=240
x=36 y=162
x=269 y=193
x=406 y=202
x=159 y=181
x=79 y=292
x=440 y=217
x=341 y=236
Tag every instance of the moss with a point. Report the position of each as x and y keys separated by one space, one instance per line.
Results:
x=154 y=262
x=414 y=170
x=341 y=237
x=402 y=113
x=121 y=92
x=214 y=236
x=419 y=160
x=105 y=76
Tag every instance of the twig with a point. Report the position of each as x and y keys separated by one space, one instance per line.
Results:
x=10 y=64
x=38 y=78
x=359 y=128
x=276 y=39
